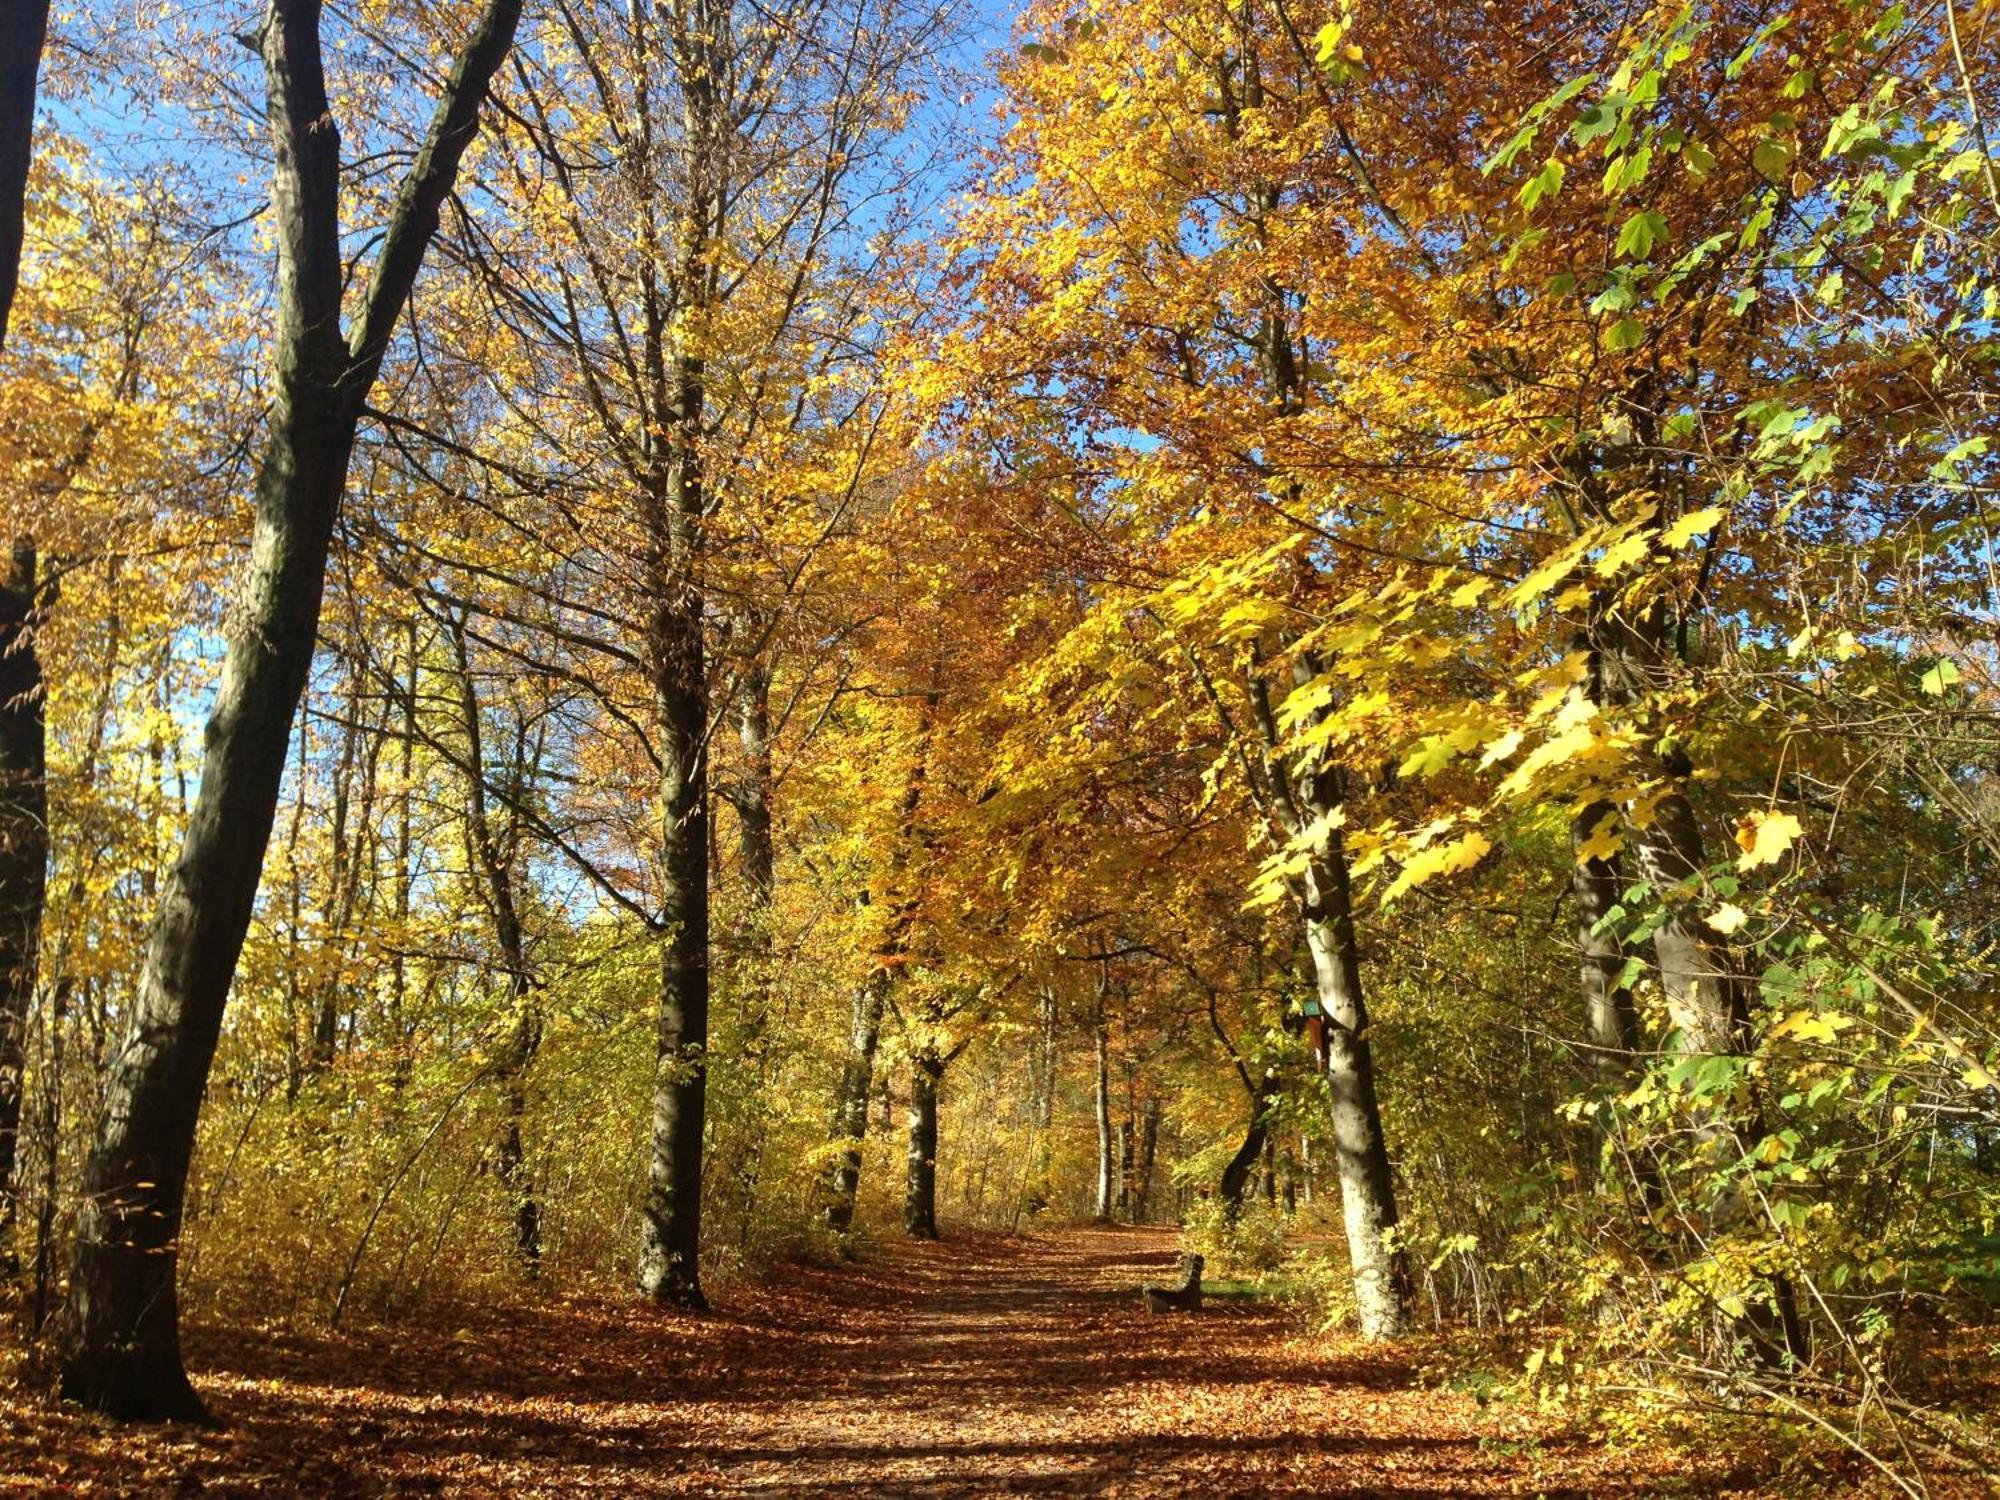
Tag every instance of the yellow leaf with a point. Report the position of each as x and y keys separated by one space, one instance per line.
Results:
x=1690 y=526
x=1604 y=842
x=1462 y=853
x=1764 y=837
x=1627 y=549
x=1727 y=917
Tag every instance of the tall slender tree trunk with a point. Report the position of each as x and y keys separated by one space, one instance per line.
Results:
x=521 y=1019
x=121 y=1343
x=677 y=647
x=1308 y=797
x=670 y=1247
x=857 y=1076
x=1361 y=1156
x=24 y=857
x=23 y=795
x=1128 y=1148
x=1611 y=1020
x=850 y=1105
x=399 y=972
x=1106 y=1166
x=339 y=909
x=920 y=1195
x=1707 y=998
x=751 y=798
x=1149 y=1145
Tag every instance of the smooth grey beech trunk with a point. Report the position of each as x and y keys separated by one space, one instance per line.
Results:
x=1361 y=1156
x=1303 y=798
x=750 y=796
x=1309 y=797
x=1106 y=1167
x=920 y=1192
x=120 y=1349
x=850 y=1104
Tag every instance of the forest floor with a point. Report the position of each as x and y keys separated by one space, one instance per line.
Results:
x=986 y=1365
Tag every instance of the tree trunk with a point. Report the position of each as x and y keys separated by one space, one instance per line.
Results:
x=1128 y=1145
x=1303 y=799
x=670 y=1247
x=23 y=794
x=1611 y=1021
x=1361 y=1158
x=1105 y=1164
x=920 y=1196
x=339 y=904
x=751 y=798
x=24 y=28
x=1149 y=1144
x=520 y=1014
x=850 y=1105
x=674 y=501
x=1236 y=1175
x=857 y=1076
x=121 y=1343
x=24 y=850
x=399 y=974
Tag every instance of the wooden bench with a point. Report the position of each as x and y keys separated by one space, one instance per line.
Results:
x=1183 y=1298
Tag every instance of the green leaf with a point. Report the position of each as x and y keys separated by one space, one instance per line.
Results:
x=1626 y=333
x=1544 y=184
x=1641 y=232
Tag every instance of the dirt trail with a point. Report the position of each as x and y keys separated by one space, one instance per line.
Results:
x=983 y=1366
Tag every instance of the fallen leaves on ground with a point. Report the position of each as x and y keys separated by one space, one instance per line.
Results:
x=987 y=1365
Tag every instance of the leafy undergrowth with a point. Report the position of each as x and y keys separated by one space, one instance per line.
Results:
x=983 y=1366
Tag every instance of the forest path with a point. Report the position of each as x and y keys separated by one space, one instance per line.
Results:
x=986 y=1365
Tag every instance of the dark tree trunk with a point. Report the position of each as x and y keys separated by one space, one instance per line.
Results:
x=1149 y=1145
x=1611 y=1021
x=1236 y=1175
x=670 y=1247
x=521 y=1013
x=857 y=1075
x=121 y=1342
x=24 y=26
x=24 y=850
x=850 y=1105
x=920 y=1195
x=23 y=795
x=674 y=501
